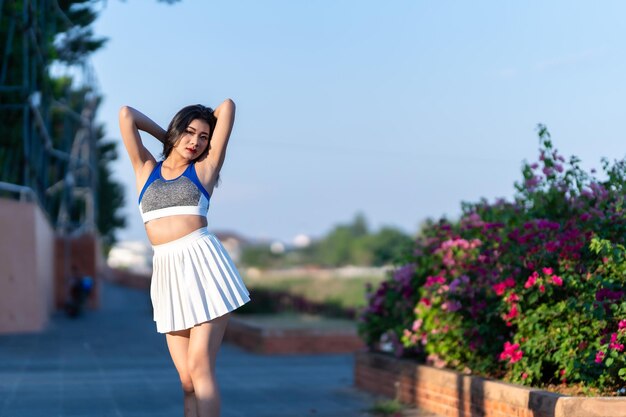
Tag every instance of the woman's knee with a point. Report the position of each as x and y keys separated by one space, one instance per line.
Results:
x=198 y=367
x=187 y=383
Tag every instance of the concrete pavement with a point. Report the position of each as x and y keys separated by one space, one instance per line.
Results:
x=112 y=363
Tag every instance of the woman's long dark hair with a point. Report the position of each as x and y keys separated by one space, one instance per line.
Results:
x=181 y=121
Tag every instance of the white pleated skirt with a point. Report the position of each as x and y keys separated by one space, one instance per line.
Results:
x=194 y=280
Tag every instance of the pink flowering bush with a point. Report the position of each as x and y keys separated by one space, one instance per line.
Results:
x=531 y=290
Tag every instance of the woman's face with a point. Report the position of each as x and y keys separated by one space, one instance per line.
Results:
x=194 y=140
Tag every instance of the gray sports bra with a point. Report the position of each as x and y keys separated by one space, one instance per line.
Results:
x=182 y=195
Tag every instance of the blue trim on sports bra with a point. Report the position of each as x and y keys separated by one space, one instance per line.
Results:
x=156 y=172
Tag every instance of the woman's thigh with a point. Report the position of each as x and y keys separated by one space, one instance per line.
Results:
x=204 y=342
x=178 y=345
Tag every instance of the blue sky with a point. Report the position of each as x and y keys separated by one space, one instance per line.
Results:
x=399 y=110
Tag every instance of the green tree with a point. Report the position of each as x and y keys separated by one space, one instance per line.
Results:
x=111 y=194
x=34 y=37
x=352 y=243
x=359 y=226
x=259 y=255
x=389 y=245
x=337 y=247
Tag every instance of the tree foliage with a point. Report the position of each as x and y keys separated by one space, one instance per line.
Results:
x=35 y=37
x=346 y=244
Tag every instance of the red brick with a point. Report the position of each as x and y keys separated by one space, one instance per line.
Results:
x=450 y=394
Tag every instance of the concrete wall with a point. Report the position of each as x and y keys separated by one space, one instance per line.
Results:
x=26 y=267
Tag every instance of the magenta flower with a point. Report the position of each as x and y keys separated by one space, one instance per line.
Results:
x=615 y=344
x=606 y=294
x=547 y=271
x=511 y=352
x=531 y=280
x=599 y=356
x=499 y=288
x=552 y=246
x=451 y=306
x=430 y=281
x=546 y=224
x=512 y=313
x=417 y=324
x=622 y=325
x=557 y=280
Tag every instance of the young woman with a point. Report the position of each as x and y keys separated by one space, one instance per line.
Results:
x=195 y=284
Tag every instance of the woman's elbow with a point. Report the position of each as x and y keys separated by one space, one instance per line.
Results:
x=125 y=112
x=230 y=103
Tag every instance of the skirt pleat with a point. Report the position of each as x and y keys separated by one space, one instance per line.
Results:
x=194 y=280
x=217 y=271
x=236 y=286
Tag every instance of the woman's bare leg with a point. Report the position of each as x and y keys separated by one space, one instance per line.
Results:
x=178 y=344
x=204 y=343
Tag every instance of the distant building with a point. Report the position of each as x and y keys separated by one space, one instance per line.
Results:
x=133 y=256
x=301 y=241
x=233 y=242
x=277 y=247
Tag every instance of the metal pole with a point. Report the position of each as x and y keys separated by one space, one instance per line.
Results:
x=25 y=85
x=8 y=48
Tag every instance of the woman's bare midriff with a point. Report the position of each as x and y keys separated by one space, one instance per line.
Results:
x=170 y=228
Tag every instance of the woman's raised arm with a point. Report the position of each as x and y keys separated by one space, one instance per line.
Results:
x=225 y=114
x=131 y=121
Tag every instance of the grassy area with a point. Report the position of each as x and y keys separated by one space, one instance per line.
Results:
x=387 y=408
x=289 y=321
x=346 y=292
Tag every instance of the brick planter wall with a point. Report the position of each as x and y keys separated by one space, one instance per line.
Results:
x=268 y=340
x=453 y=394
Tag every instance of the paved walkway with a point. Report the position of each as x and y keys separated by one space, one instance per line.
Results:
x=112 y=363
